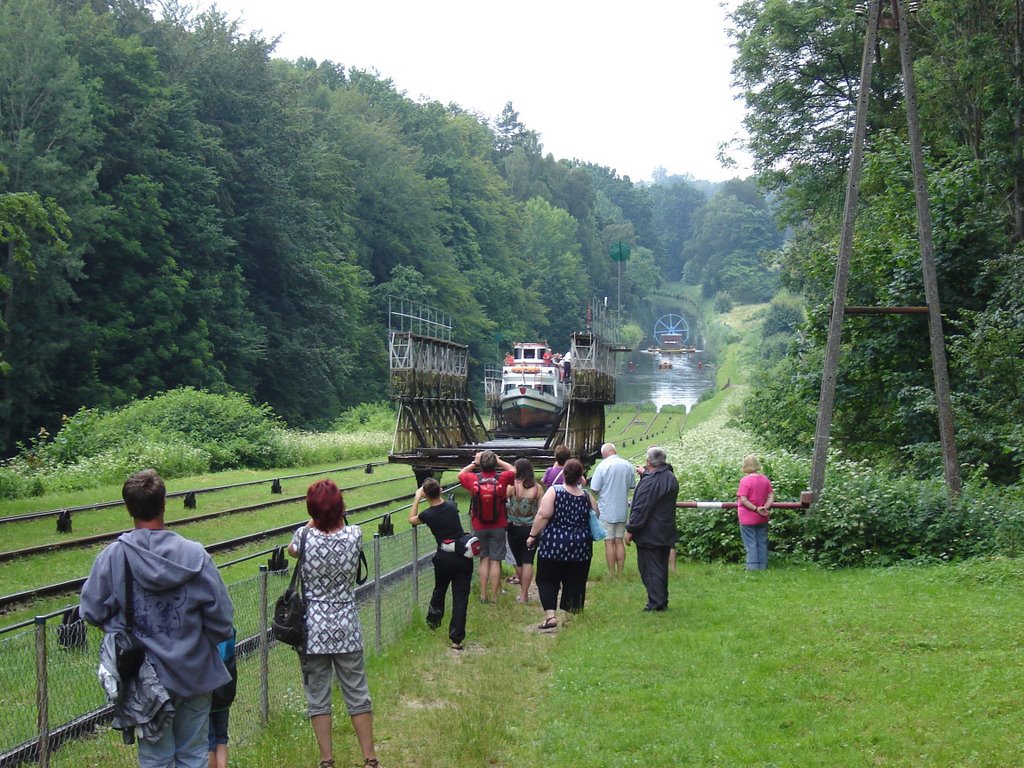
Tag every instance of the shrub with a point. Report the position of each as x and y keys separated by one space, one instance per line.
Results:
x=866 y=515
x=307 y=448
x=184 y=432
x=228 y=428
x=367 y=417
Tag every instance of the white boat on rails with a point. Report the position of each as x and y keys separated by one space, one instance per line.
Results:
x=533 y=390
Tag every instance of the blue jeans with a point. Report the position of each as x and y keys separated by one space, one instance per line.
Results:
x=755 y=539
x=184 y=742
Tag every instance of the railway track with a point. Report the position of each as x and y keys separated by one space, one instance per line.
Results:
x=84 y=541
x=181 y=494
x=74 y=585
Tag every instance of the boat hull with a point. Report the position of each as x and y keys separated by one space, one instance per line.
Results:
x=529 y=410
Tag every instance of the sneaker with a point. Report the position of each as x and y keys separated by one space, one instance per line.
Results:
x=456 y=646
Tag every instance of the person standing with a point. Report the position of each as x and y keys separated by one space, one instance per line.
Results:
x=488 y=517
x=450 y=568
x=755 y=497
x=553 y=474
x=652 y=525
x=220 y=706
x=523 y=499
x=181 y=612
x=334 y=640
x=562 y=528
x=612 y=480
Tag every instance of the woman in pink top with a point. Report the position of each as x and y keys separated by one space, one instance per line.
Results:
x=755 y=497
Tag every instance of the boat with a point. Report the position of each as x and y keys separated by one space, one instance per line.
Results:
x=532 y=389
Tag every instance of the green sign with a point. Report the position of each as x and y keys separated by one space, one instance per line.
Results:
x=619 y=251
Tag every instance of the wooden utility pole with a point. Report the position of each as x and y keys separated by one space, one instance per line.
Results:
x=895 y=19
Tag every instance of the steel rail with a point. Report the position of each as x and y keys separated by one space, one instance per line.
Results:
x=180 y=494
x=100 y=537
x=76 y=584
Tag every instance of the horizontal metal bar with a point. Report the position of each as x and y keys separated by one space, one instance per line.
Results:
x=885 y=310
x=734 y=504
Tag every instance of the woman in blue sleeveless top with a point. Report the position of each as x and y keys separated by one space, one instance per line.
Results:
x=562 y=528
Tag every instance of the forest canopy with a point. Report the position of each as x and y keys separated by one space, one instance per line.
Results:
x=178 y=207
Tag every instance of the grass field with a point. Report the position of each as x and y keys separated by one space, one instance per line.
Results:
x=789 y=667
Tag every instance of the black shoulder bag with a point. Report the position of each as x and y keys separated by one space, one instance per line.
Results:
x=128 y=651
x=289 y=624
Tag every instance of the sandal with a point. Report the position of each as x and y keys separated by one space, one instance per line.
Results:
x=327 y=763
x=551 y=623
x=371 y=762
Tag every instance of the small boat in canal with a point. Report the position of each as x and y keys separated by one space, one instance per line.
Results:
x=532 y=388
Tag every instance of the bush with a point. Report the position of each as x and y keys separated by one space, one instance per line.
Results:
x=367 y=417
x=184 y=432
x=228 y=428
x=869 y=518
x=866 y=516
x=723 y=302
x=308 y=448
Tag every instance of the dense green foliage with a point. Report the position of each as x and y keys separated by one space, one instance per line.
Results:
x=866 y=515
x=798 y=63
x=179 y=208
x=181 y=432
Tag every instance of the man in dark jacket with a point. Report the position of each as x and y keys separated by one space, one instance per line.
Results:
x=652 y=525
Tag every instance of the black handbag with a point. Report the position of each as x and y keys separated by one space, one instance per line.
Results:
x=129 y=653
x=289 y=624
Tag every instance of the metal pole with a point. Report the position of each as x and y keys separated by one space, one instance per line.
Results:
x=379 y=637
x=619 y=262
x=931 y=283
x=42 y=696
x=826 y=401
x=264 y=650
x=415 y=567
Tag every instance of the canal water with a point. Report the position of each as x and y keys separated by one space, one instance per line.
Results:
x=645 y=381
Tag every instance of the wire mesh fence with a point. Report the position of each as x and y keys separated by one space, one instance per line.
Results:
x=53 y=711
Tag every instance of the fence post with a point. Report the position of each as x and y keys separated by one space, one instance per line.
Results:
x=42 y=696
x=415 y=567
x=377 y=593
x=264 y=650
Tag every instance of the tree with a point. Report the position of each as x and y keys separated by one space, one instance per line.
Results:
x=24 y=217
x=725 y=251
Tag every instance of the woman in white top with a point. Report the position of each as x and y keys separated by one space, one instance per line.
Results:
x=334 y=642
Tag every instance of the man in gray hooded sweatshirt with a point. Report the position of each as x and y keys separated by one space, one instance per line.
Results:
x=182 y=611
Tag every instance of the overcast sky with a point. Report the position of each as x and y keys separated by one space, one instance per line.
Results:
x=630 y=85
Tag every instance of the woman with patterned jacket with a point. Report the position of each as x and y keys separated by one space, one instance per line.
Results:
x=334 y=642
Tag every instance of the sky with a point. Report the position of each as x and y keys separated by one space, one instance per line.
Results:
x=632 y=85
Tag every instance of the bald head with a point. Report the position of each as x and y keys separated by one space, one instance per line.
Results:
x=608 y=449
